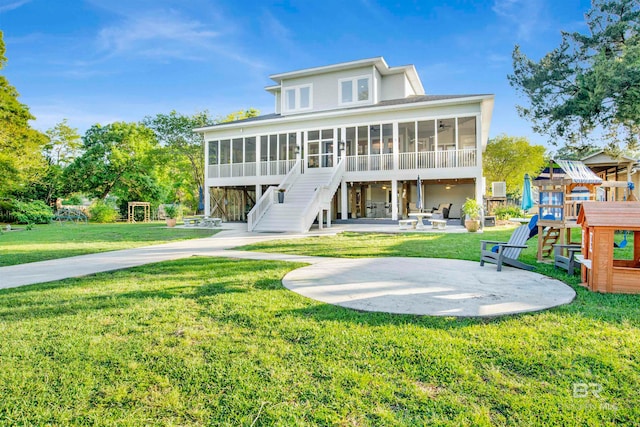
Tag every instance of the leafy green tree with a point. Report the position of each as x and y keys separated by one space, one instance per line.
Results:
x=118 y=158
x=21 y=160
x=183 y=150
x=590 y=81
x=508 y=158
x=64 y=144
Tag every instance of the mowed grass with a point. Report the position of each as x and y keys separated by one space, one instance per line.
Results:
x=57 y=240
x=213 y=341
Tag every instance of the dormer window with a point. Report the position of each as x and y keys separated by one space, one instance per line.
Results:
x=297 y=98
x=355 y=90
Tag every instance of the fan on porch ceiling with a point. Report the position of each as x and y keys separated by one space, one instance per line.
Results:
x=442 y=126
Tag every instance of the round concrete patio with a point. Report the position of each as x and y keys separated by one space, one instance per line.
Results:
x=427 y=286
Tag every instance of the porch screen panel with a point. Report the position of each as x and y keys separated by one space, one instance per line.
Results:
x=238 y=156
x=273 y=147
x=467 y=132
x=363 y=140
x=387 y=138
x=374 y=133
x=407 y=137
x=426 y=136
x=446 y=142
x=225 y=151
x=250 y=149
x=264 y=148
x=282 y=146
x=426 y=144
x=350 y=141
x=213 y=152
x=293 y=142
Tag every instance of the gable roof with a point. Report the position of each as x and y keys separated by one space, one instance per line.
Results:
x=623 y=215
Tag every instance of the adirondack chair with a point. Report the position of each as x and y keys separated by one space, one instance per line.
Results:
x=506 y=252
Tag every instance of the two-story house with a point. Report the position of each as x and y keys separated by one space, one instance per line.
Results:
x=347 y=140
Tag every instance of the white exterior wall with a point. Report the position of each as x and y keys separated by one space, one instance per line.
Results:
x=395 y=86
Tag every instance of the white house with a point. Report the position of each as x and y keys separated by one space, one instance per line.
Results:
x=347 y=140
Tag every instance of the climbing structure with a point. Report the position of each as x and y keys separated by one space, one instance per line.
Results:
x=562 y=191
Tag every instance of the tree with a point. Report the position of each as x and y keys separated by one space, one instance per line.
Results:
x=184 y=150
x=20 y=145
x=589 y=81
x=118 y=159
x=63 y=145
x=508 y=158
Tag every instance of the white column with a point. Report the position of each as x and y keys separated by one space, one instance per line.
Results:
x=344 y=200
x=320 y=219
x=258 y=192
x=394 y=199
x=207 y=200
x=329 y=217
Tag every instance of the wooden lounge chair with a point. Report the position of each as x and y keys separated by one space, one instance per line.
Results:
x=506 y=252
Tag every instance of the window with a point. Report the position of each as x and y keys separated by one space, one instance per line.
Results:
x=354 y=90
x=297 y=98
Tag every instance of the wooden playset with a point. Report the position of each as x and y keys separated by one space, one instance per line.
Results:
x=600 y=271
x=561 y=194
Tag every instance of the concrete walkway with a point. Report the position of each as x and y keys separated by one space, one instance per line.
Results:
x=438 y=287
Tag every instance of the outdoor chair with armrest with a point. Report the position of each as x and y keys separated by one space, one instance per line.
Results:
x=506 y=252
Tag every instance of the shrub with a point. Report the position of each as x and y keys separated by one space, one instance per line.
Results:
x=100 y=211
x=36 y=212
x=506 y=212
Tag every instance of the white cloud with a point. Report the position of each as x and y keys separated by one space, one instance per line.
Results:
x=525 y=15
x=6 y=6
x=160 y=35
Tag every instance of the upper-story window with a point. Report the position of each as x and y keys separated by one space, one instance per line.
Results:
x=355 y=90
x=297 y=98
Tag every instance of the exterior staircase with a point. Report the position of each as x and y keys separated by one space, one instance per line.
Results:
x=305 y=197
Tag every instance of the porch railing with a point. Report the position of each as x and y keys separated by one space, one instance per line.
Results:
x=275 y=167
x=376 y=162
x=438 y=159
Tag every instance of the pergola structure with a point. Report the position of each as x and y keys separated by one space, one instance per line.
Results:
x=132 y=207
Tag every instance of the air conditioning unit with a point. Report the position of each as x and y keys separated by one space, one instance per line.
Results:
x=499 y=189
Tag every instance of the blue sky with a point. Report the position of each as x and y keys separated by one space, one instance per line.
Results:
x=98 y=61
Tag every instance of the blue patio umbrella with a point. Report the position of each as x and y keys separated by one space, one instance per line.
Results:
x=527 y=198
x=200 y=199
x=419 y=195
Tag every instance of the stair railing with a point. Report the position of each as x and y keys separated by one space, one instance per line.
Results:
x=291 y=176
x=262 y=205
x=270 y=197
x=321 y=197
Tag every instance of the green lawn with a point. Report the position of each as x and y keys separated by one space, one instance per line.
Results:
x=212 y=341
x=69 y=239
